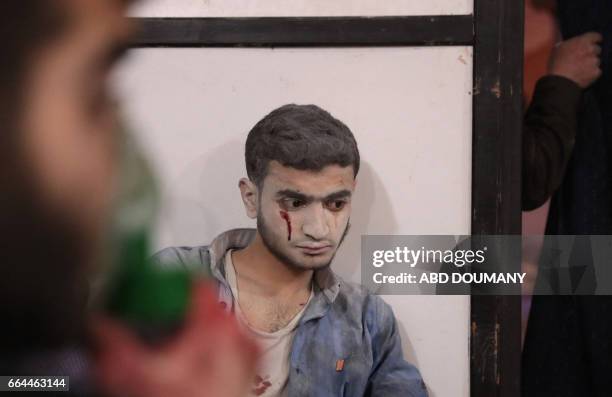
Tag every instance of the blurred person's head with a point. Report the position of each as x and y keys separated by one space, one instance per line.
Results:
x=57 y=155
x=302 y=164
x=550 y=5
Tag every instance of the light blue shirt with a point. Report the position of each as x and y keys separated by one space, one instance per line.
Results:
x=347 y=342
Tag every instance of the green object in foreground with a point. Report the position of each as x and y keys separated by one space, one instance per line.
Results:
x=150 y=298
x=145 y=295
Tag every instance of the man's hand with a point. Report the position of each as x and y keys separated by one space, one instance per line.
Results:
x=578 y=59
x=209 y=358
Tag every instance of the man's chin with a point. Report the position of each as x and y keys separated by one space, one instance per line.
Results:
x=312 y=262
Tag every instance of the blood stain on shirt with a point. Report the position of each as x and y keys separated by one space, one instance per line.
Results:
x=261 y=385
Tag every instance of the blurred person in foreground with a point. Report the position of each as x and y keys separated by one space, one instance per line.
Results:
x=568 y=344
x=58 y=172
x=319 y=335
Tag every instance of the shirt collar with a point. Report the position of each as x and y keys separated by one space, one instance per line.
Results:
x=326 y=281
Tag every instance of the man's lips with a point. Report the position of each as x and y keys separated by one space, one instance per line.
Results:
x=313 y=249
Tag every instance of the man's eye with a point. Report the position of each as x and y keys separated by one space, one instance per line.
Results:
x=336 y=205
x=293 y=204
x=297 y=203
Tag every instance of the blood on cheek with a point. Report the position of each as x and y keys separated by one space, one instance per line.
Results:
x=285 y=216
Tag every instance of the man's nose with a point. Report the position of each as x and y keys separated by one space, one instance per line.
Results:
x=315 y=223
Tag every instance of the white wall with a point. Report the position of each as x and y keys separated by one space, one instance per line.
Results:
x=409 y=108
x=252 y=8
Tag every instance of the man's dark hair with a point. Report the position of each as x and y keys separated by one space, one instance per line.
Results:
x=304 y=137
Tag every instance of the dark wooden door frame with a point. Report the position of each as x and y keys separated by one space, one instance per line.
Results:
x=496 y=33
x=496 y=186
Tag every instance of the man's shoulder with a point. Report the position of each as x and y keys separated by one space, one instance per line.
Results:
x=203 y=254
x=352 y=290
x=356 y=292
x=358 y=301
x=190 y=257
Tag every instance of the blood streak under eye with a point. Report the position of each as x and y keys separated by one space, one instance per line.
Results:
x=285 y=216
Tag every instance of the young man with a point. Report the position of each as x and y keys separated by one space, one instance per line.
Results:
x=58 y=170
x=320 y=335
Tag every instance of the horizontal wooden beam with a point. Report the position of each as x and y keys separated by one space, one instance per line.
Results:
x=445 y=30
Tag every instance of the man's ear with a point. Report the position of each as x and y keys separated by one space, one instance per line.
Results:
x=249 y=194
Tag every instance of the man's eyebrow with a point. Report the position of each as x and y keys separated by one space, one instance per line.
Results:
x=288 y=193
x=338 y=195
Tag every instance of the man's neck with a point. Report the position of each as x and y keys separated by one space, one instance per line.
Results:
x=264 y=274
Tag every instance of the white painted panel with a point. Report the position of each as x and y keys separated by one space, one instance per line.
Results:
x=410 y=110
x=257 y=8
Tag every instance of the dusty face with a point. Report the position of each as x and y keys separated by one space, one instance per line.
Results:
x=69 y=119
x=302 y=216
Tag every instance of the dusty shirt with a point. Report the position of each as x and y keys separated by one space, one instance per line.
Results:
x=347 y=342
x=273 y=370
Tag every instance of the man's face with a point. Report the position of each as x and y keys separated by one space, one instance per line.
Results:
x=303 y=215
x=69 y=120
